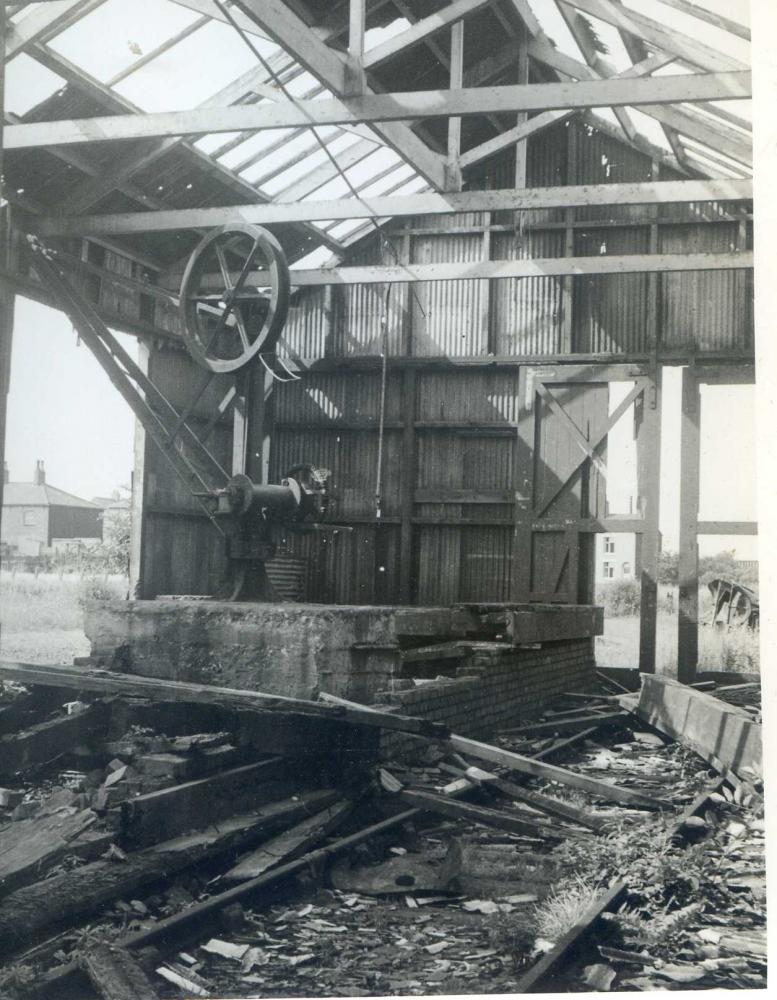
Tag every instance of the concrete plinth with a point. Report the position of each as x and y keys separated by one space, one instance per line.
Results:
x=298 y=650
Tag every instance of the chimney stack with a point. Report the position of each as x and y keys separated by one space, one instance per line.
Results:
x=39 y=477
x=6 y=473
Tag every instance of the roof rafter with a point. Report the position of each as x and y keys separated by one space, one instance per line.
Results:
x=330 y=68
x=667 y=39
x=47 y=20
x=421 y=31
x=113 y=101
x=717 y=136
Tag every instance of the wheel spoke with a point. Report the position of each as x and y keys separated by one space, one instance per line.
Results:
x=241 y=329
x=224 y=267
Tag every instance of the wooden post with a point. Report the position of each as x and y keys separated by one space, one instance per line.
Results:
x=7 y=297
x=523 y=484
x=568 y=282
x=354 y=67
x=453 y=169
x=688 y=619
x=649 y=541
x=407 y=486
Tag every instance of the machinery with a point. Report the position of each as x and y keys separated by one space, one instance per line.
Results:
x=233 y=302
x=734 y=605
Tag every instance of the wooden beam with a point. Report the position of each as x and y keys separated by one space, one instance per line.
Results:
x=724 y=735
x=727 y=528
x=648 y=543
x=456 y=80
x=667 y=38
x=115 y=974
x=542 y=121
x=688 y=571
x=724 y=23
x=530 y=766
x=421 y=31
x=523 y=199
x=419 y=104
x=71 y=678
x=526 y=268
x=43 y=21
x=482 y=815
x=331 y=68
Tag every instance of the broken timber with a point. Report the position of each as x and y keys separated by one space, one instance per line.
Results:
x=106 y=681
x=291 y=843
x=43 y=743
x=722 y=734
x=481 y=814
x=572 y=724
x=115 y=974
x=536 y=768
x=28 y=912
x=539 y=769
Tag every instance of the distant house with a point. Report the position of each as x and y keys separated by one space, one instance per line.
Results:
x=615 y=557
x=113 y=508
x=39 y=517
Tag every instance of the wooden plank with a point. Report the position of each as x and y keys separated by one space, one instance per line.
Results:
x=375 y=108
x=429 y=203
x=531 y=980
x=527 y=765
x=727 y=528
x=482 y=815
x=293 y=842
x=521 y=268
x=544 y=803
x=724 y=735
x=578 y=737
x=572 y=724
x=46 y=741
x=115 y=974
x=167 y=813
x=232 y=698
x=28 y=848
x=648 y=543
x=28 y=912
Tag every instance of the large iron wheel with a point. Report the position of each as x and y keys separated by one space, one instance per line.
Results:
x=234 y=297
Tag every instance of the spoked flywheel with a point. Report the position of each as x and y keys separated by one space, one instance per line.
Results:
x=234 y=297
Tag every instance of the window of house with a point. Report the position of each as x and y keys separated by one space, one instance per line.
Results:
x=609 y=544
x=626 y=569
x=29 y=518
x=608 y=570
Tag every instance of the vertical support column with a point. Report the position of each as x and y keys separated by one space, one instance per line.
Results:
x=568 y=282
x=523 y=484
x=522 y=146
x=407 y=485
x=453 y=169
x=7 y=297
x=257 y=416
x=354 y=72
x=688 y=619
x=649 y=542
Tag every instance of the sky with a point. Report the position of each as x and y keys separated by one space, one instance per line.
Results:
x=63 y=410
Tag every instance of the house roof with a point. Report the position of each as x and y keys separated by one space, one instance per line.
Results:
x=43 y=495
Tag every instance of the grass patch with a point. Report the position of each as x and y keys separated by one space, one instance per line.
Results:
x=50 y=602
x=563 y=908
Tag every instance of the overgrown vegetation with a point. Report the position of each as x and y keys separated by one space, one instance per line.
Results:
x=52 y=602
x=620 y=598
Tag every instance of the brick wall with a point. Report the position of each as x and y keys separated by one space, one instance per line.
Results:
x=493 y=690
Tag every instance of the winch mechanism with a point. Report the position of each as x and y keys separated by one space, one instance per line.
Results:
x=233 y=304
